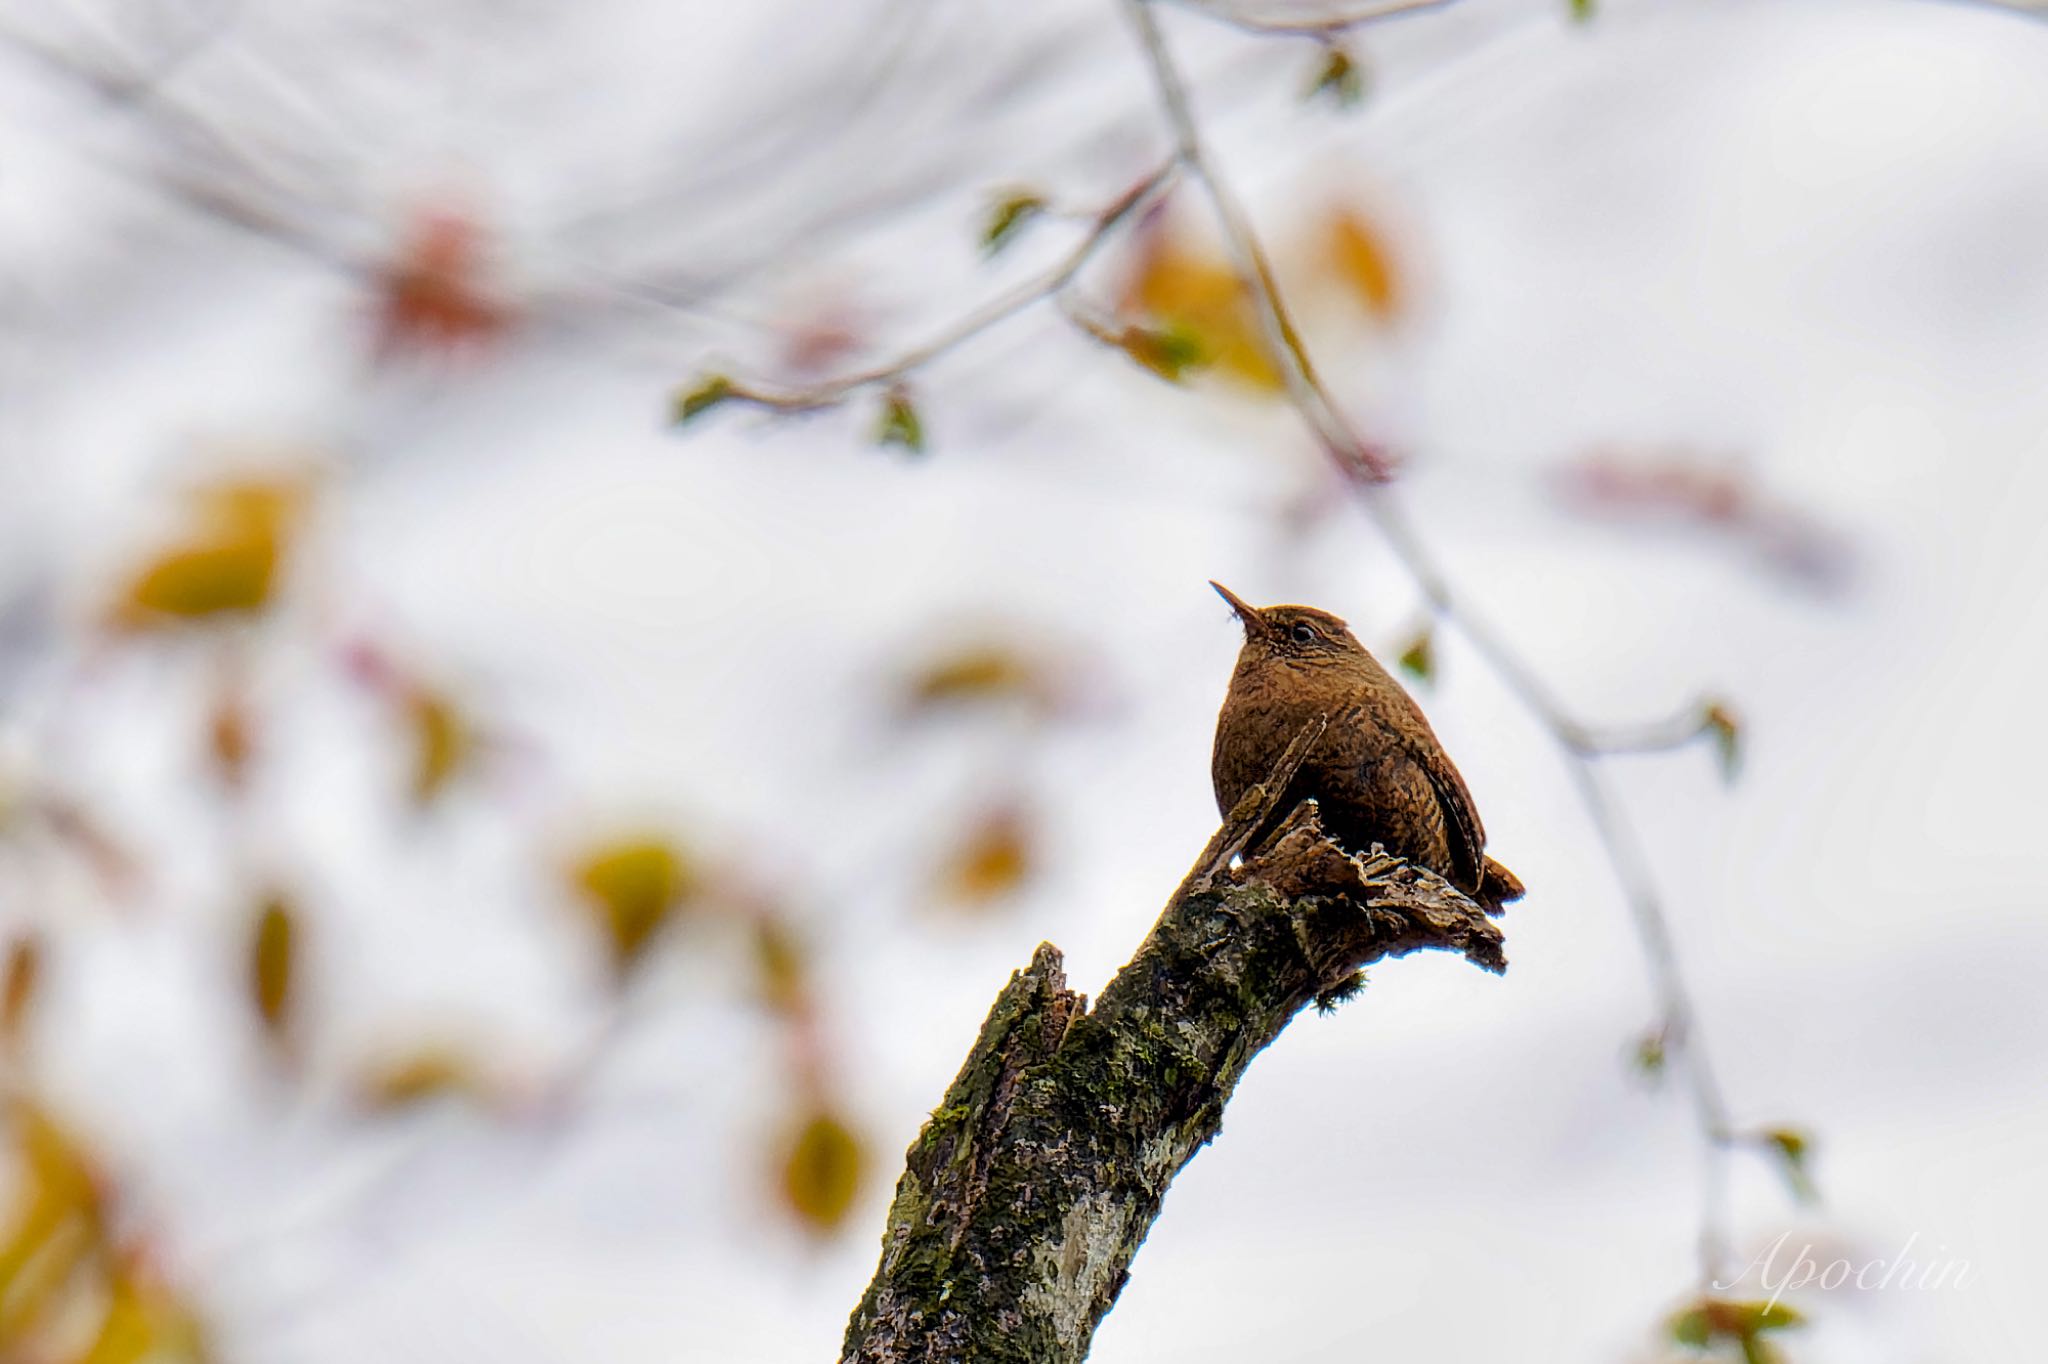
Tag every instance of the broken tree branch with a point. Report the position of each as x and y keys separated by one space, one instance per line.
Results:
x=1032 y=1185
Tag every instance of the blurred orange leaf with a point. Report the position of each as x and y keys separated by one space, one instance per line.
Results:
x=273 y=965
x=231 y=738
x=435 y=295
x=994 y=860
x=1199 y=295
x=633 y=885
x=1360 y=259
x=821 y=1174
x=24 y=973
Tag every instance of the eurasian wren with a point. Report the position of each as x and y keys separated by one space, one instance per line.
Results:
x=1383 y=779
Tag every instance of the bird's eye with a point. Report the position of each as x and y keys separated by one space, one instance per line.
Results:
x=1304 y=634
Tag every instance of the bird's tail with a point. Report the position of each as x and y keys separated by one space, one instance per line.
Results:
x=1497 y=886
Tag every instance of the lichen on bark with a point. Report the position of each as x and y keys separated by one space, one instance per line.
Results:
x=1033 y=1183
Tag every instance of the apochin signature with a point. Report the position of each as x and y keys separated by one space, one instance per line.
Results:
x=1803 y=1271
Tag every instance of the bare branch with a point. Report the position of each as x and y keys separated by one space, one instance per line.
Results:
x=1048 y=284
x=1366 y=469
x=1030 y=1189
x=1338 y=20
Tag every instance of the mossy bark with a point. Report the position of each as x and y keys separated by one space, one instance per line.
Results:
x=1031 y=1187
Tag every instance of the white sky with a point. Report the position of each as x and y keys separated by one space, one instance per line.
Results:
x=1808 y=236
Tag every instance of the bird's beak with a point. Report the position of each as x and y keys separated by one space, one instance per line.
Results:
x=1254 y=623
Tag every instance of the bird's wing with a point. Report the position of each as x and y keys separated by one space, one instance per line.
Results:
x=1466 y=835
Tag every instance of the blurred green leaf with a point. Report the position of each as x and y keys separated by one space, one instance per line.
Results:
x=708 y=393
x=1584 y=10
x=1652 y=1054
x=1712 y=1321
x=900 y=424
x=1169 y=352
x=1794 y=1150
x=1338 y=78
x=1418 y=660
x=1007 y=217
x=1721 y=722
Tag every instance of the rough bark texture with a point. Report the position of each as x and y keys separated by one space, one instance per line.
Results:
x=1033 y=1184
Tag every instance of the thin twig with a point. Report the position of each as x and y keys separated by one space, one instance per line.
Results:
x=1031 y=292
x=1340 y=21
x=1366 y=469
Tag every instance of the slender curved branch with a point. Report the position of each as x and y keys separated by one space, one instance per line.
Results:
x=1048 y=284
x=1365 y=467
x=1338 y=21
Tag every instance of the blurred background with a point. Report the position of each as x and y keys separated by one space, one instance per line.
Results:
x=490 y=872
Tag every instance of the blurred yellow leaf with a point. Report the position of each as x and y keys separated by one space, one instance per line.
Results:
x=633 y=885
x=57 y=1222
x=227 y=565
x=972 y=673
x=273 y=965
x=821 y=1175
x=1200 y=296
x=782 y=963
x=24 y=973
x=141 y=1320
x=701 y=397
x=427 y=1073
x=442 y=741
x=205 y=580
x=994 y=860
x=128 y=1332
x=1359 y=258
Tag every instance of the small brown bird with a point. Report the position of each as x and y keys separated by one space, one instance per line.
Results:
x=1384 y=779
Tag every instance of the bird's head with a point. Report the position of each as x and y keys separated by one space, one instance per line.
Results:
x=1299 y=633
